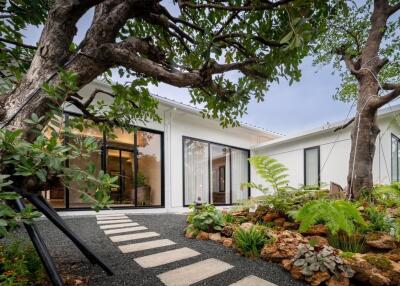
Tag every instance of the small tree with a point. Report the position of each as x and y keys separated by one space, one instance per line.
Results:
x=363 y=44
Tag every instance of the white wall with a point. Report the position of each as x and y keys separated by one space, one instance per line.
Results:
x=177 y=122
x=334 y=155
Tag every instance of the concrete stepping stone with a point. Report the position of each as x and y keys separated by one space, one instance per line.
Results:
x=126 y=229
x=134 y=247
x=109 y=215
x=118 y=225
x=194 y=273
x=113 y=221
x=252 y=281
x=133 y=236
x=166 y=257
x=113 y=218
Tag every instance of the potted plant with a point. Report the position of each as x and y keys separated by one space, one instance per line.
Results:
x=143 y=190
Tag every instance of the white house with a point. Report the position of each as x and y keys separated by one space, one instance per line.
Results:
x=322 y=155
x=169 y=165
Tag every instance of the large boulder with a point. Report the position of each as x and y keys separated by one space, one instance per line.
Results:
x=270 y=217
x=380 y=240
x=318 y=229
x=260 y=212
x=284 y=246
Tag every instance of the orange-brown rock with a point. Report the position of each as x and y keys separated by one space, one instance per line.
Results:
x=227 y=242
x=215 y=236
x=393 y=255
x=296 y=273
x=338 y=281
x=202 y=235
x=318 y=278
x=228 y=230
x=284 y=247
x=380 y=240
x=317 y=240
x=246 y=225
x=318 y=229
x=279 y=221
x=270 y=217
x=287 y=264
x=290 y=225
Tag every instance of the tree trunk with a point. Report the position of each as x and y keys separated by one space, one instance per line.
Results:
x=363 y=138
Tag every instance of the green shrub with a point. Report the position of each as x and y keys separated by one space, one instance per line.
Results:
x=206 y=217
x=354 y=243
x=337 y=216
x=250 y=242
x=228 y=218
x=387 y=195
x=20 y=265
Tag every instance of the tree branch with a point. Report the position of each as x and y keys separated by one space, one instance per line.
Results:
x=15 y=43
x=267 y=5
x=393 y=9
x=343 y=126
x=382 y=100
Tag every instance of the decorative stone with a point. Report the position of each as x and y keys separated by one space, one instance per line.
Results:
x=318 y=229
x=393 y=255
x=287 y=264
x=296 y=273
x=285 y=246
x=290 y=225
x=318 y=240
x=227 y=231
x=338 y=281
x=380 y=240
x=215 y=236
x=246 y=225
x=227 y=242
x=279 y=221
x=270 y=217
x=318 y=278
x=202 y=235
x=260 y=212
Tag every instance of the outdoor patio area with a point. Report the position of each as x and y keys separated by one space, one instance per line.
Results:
x=205 y=262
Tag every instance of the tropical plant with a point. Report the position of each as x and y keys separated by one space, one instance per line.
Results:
x=379 y=220
x=337 y=215
x=250 y=241
x=20 y=265
x=206 y=217
x=272 y=171
x=320 y=259
x=141 y=179
x=388 y=195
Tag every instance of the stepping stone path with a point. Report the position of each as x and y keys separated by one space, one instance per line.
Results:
x=122 y=229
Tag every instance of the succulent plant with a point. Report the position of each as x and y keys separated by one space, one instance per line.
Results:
x=311 y=259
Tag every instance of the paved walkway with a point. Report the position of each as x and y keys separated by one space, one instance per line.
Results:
x=151 y=250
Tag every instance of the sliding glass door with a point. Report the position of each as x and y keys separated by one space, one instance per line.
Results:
x=213 y=173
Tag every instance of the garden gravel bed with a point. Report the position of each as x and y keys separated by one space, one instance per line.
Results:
x=127 y=272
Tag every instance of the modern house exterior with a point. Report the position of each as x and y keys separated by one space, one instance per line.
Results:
x=167 y=166
x=322 y=155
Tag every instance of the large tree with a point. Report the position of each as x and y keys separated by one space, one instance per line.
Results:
x=363 y=43
x=225 y=52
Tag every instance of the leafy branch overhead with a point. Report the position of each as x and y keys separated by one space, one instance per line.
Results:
x=225 y=53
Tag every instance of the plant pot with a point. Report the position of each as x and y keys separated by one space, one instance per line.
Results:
x=143 y=196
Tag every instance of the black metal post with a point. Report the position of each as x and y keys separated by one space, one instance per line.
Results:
x=41 y=204
x=40 y=247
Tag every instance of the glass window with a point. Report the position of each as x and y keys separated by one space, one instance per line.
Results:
x=196 y=171
x=149 y=169
x=311 y=166
x=395 y=159
x=214 y=173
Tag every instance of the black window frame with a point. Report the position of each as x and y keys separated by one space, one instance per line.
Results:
x=391 y=157
x=319 y=163
x=104 y=147
x=209 y=171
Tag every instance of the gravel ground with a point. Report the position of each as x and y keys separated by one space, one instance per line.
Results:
x=127 y=272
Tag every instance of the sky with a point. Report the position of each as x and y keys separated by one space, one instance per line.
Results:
x=286 y=109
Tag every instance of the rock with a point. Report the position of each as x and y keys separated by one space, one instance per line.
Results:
x=202 y=235
x=284 y=246
x=317 y=278
x=227 y=231
x=296 y=273
x=287 y=264
x=242 y=213
x=246 y=225
x=290 y=225
x=393 y=255
x=215 y=236
x=338 y=281
x=260 y=212
x=190 y=232
x=279 y=221
x=374 y=269
x=380 y=240
x=318 y=229
x=270 y=217
x=227 y=242
x=317 y=240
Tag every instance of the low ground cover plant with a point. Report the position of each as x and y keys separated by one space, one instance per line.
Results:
x=250 y=241
x=205 y=217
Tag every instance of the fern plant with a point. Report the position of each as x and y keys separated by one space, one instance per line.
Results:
x=388 y=195
x=250 y=241
x=337 y=216
x=271 y=171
